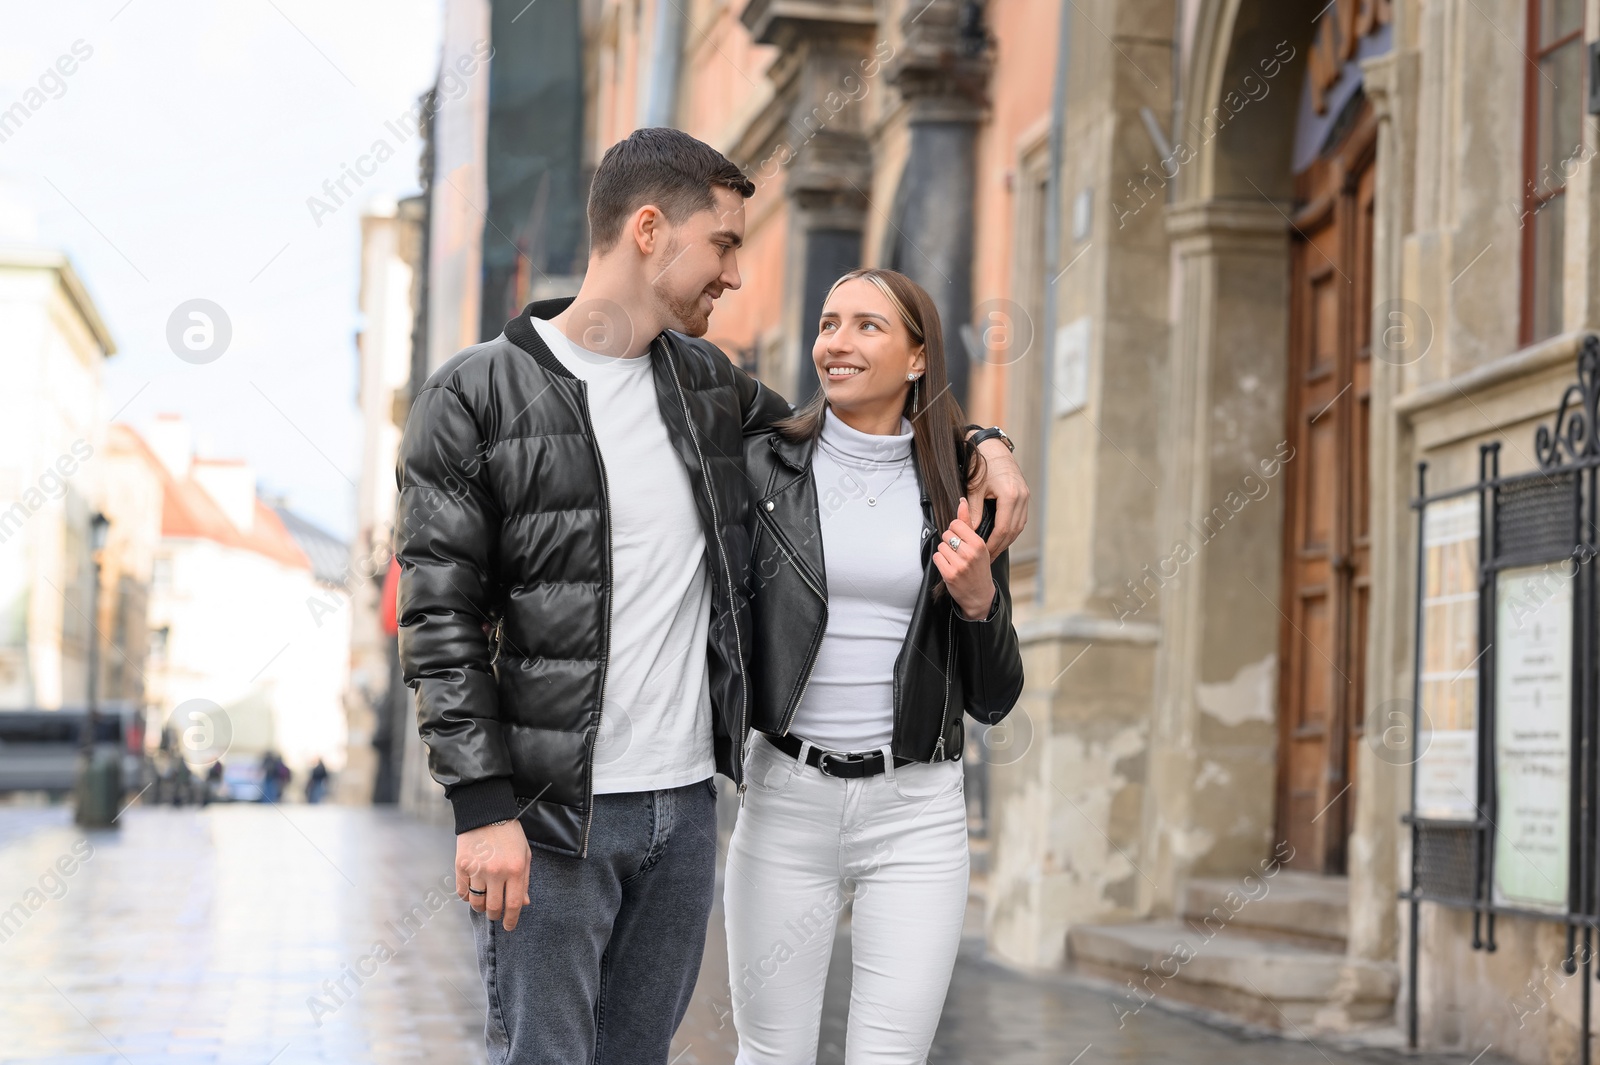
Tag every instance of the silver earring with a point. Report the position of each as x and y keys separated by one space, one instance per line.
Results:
x=911 y=377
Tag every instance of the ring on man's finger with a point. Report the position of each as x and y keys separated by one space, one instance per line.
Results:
x=475 y=891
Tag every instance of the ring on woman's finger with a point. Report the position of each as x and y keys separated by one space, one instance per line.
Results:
x=955 y=543
x=475 y=891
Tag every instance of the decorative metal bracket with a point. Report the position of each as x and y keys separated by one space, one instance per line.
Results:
x=1572 y=438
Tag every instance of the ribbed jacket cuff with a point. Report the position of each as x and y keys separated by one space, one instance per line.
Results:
x=994 y=609
x=483 y=802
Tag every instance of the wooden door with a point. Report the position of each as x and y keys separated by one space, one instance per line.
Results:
x=1326 y=530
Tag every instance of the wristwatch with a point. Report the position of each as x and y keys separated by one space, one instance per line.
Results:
x=994 y=432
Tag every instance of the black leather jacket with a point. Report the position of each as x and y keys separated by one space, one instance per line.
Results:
x=503 y=521
x=946 y=664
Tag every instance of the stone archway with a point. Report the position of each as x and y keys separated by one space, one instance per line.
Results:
x=1247 y=146
x=1213 y=737
x=1215 y=703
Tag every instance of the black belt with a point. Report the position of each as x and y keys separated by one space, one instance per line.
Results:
x=835 y=763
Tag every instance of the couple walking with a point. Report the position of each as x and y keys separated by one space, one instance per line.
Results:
x=627 y=566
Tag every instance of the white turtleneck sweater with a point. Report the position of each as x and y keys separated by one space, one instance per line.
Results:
x=871 y=513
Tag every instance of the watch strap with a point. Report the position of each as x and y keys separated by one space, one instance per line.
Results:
x=994 y=432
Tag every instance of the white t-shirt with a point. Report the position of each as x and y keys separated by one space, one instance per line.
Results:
x=655 y=724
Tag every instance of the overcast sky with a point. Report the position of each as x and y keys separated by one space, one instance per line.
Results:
x=174 y=163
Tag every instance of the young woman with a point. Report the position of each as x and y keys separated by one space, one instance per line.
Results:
x=878 y=618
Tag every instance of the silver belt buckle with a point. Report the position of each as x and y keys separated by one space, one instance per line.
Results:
x=822 y=762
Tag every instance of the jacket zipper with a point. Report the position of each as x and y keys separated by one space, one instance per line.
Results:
x=899 y=660
x=922 y=601
x=816 y=640
x=722 y=552
x=605 y=656
x=949 y=663
x=805 y=681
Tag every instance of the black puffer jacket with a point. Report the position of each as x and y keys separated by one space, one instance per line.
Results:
x=947 y=664
x=503 y=522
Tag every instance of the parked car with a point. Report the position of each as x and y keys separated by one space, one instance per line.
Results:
x=242 y=781
x=39 y=749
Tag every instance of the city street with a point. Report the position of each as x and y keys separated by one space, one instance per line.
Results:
x=1182 y=414
x=225 y=934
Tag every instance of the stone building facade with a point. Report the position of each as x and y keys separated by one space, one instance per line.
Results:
x=54 y=345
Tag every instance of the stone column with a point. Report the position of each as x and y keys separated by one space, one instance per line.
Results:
x=941 y=73
x=1213 y=733
x=1385 y=794
x=1070 y=775
x=1067 y=779
x=813 y=129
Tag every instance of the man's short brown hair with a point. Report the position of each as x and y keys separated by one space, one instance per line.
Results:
x=661 y=166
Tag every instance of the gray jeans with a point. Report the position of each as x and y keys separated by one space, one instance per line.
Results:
x=601 y=965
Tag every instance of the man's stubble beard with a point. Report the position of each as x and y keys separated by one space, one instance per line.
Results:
x=684 y=314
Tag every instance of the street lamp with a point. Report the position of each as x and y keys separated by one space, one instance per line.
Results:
x=100 y=771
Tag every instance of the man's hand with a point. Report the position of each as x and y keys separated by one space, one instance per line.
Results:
x=494 y=860
x=1001 y=480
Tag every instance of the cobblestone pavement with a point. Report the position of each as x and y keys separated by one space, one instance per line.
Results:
x=219 y=935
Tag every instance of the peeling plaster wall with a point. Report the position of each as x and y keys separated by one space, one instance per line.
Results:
x=1067 y=812
x=1516 y=999
x=1211 y=809
x=1250 y=695
x=1238 y=739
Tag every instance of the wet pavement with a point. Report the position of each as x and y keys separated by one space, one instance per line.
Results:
x=274 y=935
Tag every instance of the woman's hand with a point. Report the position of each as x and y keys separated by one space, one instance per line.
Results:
x=965 y=568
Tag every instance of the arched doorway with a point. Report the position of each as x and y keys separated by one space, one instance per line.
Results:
x=1275 y=214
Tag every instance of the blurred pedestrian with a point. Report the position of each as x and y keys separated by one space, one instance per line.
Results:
x=213 y=788
x=317 y=782
x=272 y=780
x=183 y=782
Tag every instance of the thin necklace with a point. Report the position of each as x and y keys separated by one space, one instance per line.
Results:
x=872 y=500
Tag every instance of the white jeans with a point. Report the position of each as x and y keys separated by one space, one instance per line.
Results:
x=803 y=844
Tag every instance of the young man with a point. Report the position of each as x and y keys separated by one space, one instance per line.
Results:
x=572 y=545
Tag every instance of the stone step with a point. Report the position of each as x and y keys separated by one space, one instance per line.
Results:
x=1263 y=981
x=1294 y=907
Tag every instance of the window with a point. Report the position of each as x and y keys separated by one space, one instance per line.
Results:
x=1022 y=410
x=1552 y=143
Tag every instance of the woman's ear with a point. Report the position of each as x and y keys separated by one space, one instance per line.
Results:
x=919 y=361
